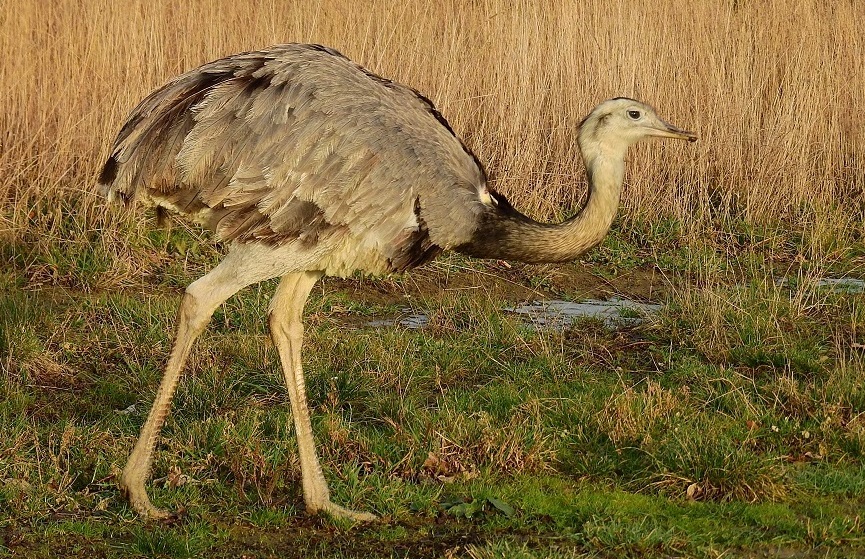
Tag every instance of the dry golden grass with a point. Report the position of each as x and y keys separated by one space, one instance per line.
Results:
x=772 y=88
x=632 y=414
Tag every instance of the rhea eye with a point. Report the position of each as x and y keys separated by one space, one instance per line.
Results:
x=635 y=115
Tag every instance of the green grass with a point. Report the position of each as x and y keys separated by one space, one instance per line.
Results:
x=730 y=424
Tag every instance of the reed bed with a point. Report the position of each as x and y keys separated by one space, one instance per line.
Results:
x=772 y=88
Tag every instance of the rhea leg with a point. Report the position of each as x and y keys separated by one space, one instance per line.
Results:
x=286 y=328
x=202 y=297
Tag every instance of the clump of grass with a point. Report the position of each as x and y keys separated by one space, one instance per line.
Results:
x=631 y=415
x=758 y=326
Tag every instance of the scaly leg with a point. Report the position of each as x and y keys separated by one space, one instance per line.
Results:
x=286 y=328
x=202 y=297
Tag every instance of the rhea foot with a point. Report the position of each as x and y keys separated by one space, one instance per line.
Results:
x=140 y=502
x=337 y=511
x=316 y=495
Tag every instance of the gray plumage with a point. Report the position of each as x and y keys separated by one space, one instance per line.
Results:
x=298 y=142
x=307 y=164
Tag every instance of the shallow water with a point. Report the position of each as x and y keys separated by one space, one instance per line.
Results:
x=553 y=313
x=835 y=285
x=558 y=314
x=843 y=285
x=411 y=320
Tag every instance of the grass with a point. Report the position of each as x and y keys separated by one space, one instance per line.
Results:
x=730 y=424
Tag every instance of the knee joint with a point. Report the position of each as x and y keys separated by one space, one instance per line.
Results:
x=193 y=313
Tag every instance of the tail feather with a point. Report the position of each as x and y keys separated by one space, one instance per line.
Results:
x=106 y=177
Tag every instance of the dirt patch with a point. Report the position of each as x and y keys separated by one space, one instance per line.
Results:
x=641 y=284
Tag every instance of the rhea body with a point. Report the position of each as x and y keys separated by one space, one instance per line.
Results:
x=306 y=164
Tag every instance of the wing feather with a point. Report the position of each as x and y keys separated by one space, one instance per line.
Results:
x=285 y=142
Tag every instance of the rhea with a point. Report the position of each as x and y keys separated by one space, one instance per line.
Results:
x=306 y=164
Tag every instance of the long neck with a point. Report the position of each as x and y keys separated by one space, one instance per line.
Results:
x=513 y=236
x=589 y=226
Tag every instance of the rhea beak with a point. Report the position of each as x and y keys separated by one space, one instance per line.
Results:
x=666 y=130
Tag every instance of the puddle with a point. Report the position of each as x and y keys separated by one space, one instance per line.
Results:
x=553 y=314
x=843 y=285
x=411 y=320
x=835 y=285
x=559 y=314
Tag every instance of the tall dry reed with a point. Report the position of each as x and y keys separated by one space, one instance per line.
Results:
x=773 y=88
